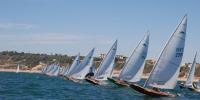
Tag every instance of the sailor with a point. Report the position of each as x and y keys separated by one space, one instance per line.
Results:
x=91 y=73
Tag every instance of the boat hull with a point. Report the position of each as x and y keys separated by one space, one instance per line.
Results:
x=151 y=92
x=92 y=81
x=72 y=79
x=119 y=83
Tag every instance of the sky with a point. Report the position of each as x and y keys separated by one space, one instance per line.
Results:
x=72 y=26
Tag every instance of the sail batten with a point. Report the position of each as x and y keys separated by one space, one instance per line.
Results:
x=167 y=67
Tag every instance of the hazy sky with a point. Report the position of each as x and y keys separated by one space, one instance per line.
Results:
x=72 y=26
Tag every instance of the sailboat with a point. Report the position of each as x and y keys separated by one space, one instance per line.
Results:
x=17 y=71
x=63 y=70
x=83 y=68
x=49 y=68
x=73 y=67
x=166 y=70
x=133 y=68
x=53 y=70
x=106 y=67
x=189 y=81
x=44 y=69
x=56 y=70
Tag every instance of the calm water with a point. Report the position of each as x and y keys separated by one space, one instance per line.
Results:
x=25 y=86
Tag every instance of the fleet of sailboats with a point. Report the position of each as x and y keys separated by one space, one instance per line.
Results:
x=163 y=76
x=51 y=70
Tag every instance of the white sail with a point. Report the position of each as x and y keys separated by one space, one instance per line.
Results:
x=50 y=68
x=191 y=73
x=56 y=71
x=53 y=68
x=133 y=68
x=168 y=64
x=84 y=66
x=66 y=70
x=43 y=69
x=74 y=66
x=93 y=68
x=61 y=70
x=17 y=71
x=105 y=69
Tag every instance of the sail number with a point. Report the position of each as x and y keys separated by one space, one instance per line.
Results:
x=179 y=52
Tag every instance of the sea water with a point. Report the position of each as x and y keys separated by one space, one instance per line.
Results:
x=27 y=86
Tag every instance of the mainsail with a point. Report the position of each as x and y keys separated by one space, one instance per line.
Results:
x=191 y=73
x=107 y=65
x=167 y=67
x=65 y=72
x=133 y=68
x=50 y=68
x=53 y=69
x=74 y=66
x=44 y=69
x=64 y=69
x=84 y=66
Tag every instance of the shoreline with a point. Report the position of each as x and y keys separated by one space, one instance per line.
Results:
x=115 y=73
x=24 y=71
